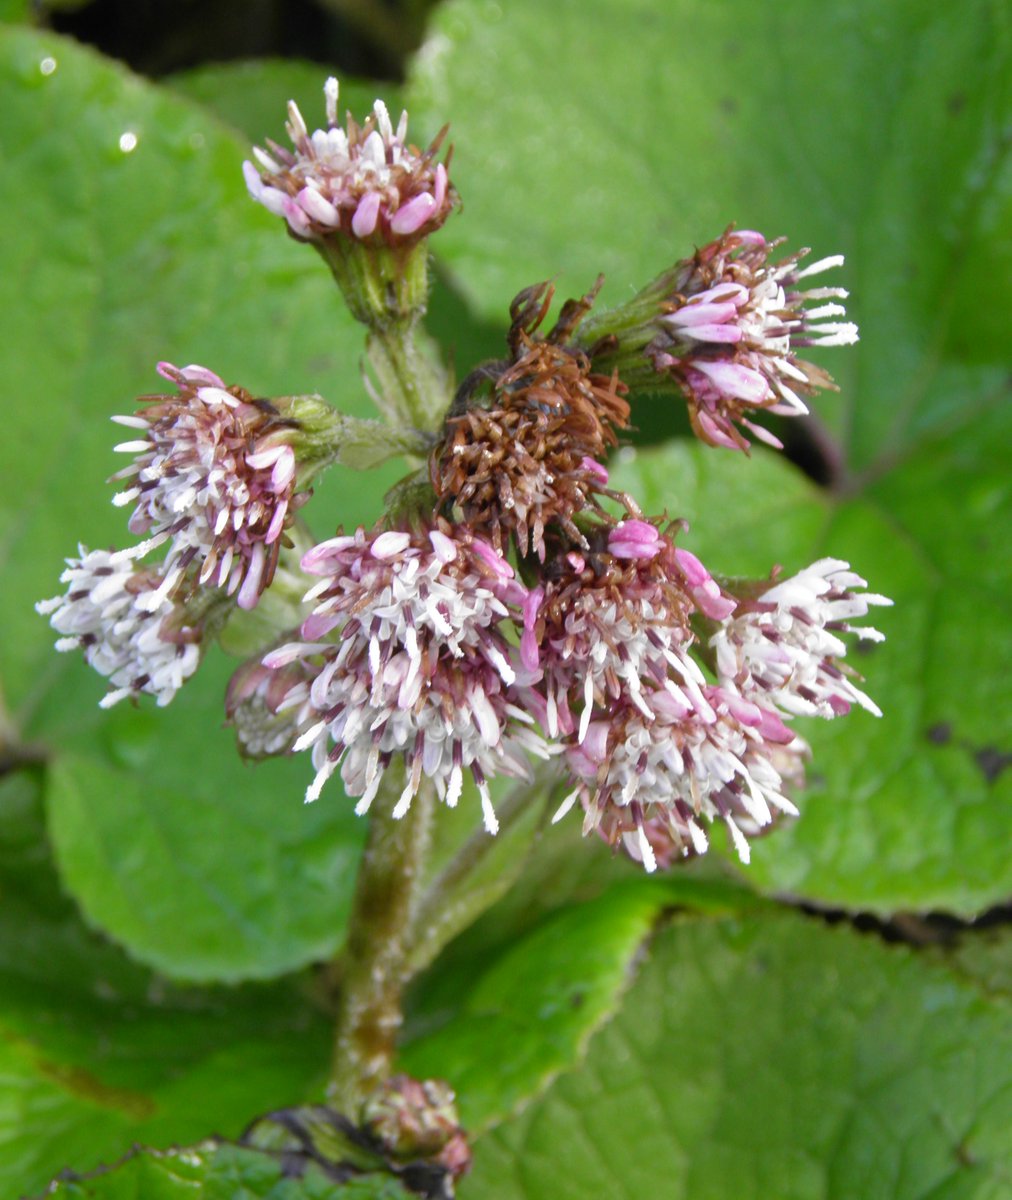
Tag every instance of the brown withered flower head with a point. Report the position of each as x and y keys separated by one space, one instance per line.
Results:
x=530 y=454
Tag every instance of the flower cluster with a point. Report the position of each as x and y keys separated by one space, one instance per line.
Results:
x=510 y=604
x=665 y=693
x=364 y=182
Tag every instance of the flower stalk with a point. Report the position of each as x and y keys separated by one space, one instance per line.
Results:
x=374 y=961
x=412 y=390
x=453 y=901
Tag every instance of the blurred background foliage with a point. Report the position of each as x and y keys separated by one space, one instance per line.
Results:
x=832 y=1021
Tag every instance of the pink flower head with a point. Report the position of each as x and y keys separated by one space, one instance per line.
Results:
x=364 y=182
x=422 y=669
x=603 y=628
x=731 y=329
x=647 y=781
x=214 y=476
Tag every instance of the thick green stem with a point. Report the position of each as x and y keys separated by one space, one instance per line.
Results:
x=387 y=290
x=374 y=964
x=412 y=389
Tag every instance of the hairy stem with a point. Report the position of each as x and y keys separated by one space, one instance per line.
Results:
x=387 y=289
x=412 y=389
x=374 y=964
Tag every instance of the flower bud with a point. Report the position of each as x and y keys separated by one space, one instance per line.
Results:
x=365 y=197
x=414 y=1120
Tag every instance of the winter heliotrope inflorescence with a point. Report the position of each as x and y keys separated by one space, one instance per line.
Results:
x=510 y=606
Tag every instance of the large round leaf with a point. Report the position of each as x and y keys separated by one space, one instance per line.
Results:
x=97 y=1052
x=773 y=1056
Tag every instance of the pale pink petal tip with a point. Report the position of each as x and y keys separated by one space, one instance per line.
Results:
x=249 y=593
x=194 y=373
x=444 y=548
x=254 y=183
x=319 y=208
x=717 y=435
x=412 y=216
x=695 y=572
x=297 y=220
x=492 y=558
x=363 y=223
x=391 y=543
x=441 y=185
x=634 y=539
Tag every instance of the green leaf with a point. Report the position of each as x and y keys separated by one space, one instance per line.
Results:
x=896 y=808
x=253 y=95
x=211 y=1171
x=743 y=515
x=125 y=257
x=872 y=129
x=15 y=12
x=985 y=956
x=198 y=876
x=773 y=1056
x=97 y=1052
x=541 y=995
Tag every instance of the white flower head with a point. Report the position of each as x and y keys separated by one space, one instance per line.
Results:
x=785 y=647
x=654 y=780
x=422 y=669
x=129 y=628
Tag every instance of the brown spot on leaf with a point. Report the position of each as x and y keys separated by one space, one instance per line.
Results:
x=940 y=734
x=82 y=1083
x=992 y=761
